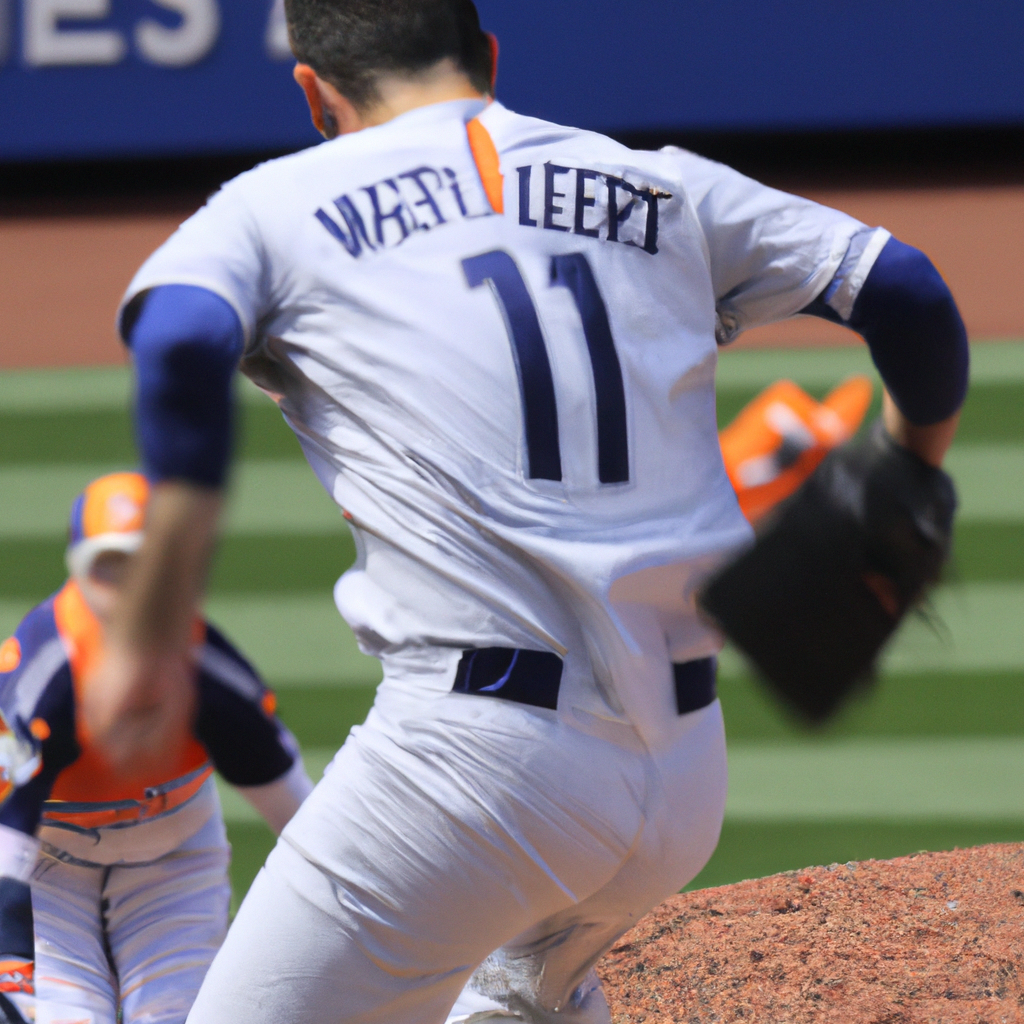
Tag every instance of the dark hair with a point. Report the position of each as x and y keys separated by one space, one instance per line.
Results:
x=352 y=43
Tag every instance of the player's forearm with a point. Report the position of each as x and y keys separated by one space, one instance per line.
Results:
x=139 y=706
x=929 y=443
x=158 y=605
x=185 y=342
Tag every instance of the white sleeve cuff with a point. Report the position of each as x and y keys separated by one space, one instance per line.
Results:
x=843 y=298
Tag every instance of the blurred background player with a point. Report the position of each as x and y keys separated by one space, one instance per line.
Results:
x=114 y=893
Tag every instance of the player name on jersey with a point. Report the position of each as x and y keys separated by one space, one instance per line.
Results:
x=592 y=203
x=385 y=214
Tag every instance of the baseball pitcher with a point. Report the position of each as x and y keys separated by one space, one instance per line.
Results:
x=496 y=341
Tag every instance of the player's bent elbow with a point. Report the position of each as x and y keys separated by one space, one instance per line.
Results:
x=905 y=285
x=908 y=316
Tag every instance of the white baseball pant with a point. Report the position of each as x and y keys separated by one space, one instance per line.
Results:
x=450 y=829
x=136 y=936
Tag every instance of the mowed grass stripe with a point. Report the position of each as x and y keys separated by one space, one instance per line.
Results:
x=990 y=481
x=924 y=704
x=107 y=435
x=64 y=390
x=267 y=496
x=92 y=435
x=295 y=639
x=83 y=388
x=292 y=639
x=68 y=416
x=991 y=363
x=966 y=628
x=753 y=849
x=278 y=563
x=906 y=780
x=986 y=551
x=300 y=638
x=275 y=563
x=974 y=704
x=109 y=387
x=285 y=563
x=972 y=627
x=321 y=716
x=746 y=849
x=992 y=413
x=283 y=495
x=966 y=778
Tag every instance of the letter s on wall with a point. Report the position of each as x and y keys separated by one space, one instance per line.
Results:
x=5 y=31
x=187 y=44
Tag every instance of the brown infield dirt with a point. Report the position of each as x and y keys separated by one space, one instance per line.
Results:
x=935 y=937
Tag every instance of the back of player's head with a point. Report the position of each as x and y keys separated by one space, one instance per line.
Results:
x=107 y=516
x=352 y=43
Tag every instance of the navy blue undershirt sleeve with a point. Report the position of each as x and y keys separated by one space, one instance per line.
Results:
x=186 y=342
x=909 y=319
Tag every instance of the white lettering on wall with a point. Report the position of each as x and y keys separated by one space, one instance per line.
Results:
x=277 y=33
x=187 y=44
x=47 y=43
x=5 y=31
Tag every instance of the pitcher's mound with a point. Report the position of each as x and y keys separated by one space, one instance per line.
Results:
x=935 y=938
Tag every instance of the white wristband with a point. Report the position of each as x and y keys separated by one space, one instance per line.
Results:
x=18 y=854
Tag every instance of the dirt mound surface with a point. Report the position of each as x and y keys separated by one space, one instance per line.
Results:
x=935 y=938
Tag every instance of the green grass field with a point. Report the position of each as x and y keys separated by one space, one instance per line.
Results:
x=932 y=758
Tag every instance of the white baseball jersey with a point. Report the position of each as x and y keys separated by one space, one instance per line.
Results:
x=515 y=410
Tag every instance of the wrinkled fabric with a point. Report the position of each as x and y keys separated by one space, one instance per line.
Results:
x=149 y=931
x=451 y=830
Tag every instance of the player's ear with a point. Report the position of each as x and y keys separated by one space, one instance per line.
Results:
x=332 y=113
x=307 y=80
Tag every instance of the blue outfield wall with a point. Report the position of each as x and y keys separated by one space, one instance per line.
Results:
x=123 y=78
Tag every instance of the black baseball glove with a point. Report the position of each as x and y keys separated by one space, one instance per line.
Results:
x=834 y=569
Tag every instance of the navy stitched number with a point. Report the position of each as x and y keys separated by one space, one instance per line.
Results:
x=538 y=389
x=540 y=410
x=573 y=272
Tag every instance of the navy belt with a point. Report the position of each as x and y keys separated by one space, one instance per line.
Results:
x=695 y=684
x=534 y=678
x=511 y=673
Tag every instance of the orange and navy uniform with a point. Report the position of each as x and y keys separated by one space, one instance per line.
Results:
x=50 y=775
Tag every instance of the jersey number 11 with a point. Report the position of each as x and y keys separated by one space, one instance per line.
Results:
x=540 y=410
